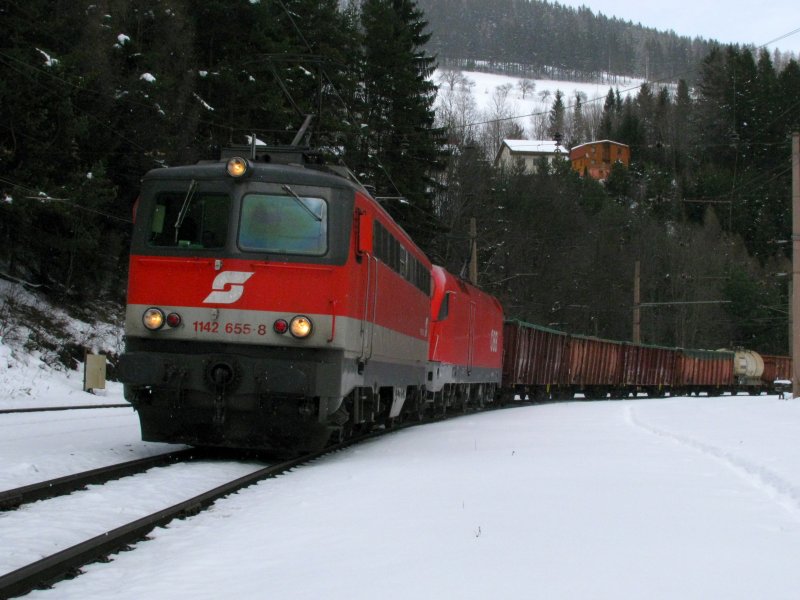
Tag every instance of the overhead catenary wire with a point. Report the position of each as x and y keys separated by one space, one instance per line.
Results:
x=39 y=197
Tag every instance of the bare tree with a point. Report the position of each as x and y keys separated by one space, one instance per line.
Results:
x=500 y=124
x=456 y=106
x=526 y=86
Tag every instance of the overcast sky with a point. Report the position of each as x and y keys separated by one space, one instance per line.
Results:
x=729 y=21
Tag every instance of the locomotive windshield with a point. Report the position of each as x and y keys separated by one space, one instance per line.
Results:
x=190 y=220
x=284 y=224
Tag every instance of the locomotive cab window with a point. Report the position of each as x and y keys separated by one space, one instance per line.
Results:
x=444 y=308
x=190 y=220
x=284 y=224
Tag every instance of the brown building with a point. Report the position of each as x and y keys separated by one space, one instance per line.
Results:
x=595 y=159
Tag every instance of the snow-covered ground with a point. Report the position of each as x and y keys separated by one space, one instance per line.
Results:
x=672 y=498
x=487 y=83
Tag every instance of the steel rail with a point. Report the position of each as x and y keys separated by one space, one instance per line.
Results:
x=67 y=563
x=8 y=411
x=11 y=499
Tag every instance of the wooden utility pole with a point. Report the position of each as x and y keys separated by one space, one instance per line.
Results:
x=794 y=309
x=637 y=311
x=473 y=244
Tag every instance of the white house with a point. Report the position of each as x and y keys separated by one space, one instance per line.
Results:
x=528 y=153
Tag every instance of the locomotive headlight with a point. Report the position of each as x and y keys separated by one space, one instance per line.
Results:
x=300 y=326
x=237 y=166
x=153 y=319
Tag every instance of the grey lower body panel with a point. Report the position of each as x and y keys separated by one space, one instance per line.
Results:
x=284 y=400
x=441 y=374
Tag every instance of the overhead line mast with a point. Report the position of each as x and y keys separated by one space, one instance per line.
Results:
x=795 y=302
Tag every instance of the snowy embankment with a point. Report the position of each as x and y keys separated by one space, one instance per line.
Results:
x=36 y=339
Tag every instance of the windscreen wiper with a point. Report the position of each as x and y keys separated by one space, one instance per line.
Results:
x=185 y=207
x=299 y=200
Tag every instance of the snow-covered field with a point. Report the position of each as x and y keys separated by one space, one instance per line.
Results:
x=487 y=83
x=672 y=498
x=487 y=96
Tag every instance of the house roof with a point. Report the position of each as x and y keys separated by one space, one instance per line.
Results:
x=599 y=142
x=532 y=148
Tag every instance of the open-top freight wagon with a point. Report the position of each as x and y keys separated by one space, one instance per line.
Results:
x=542 y=363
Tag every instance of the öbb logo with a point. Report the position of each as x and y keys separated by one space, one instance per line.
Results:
x=228 y=287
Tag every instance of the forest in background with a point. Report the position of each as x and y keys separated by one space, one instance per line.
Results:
x=704 y=206
x=94 y=95
x=540 y=39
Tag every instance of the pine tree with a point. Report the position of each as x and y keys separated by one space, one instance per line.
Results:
x=578 y=135
x=608 y=121
x=789 y=86
x=400 y=147
x=557 y=117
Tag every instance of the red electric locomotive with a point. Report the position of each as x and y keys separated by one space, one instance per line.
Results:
x=271 y=303
x=466 y=343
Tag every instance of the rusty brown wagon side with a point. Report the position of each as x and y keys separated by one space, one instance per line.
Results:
x=776 y=368
x=709 y=371
x=595 y=365
x=649 y=369
x=534 y=359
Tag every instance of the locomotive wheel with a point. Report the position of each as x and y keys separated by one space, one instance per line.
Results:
x=421 y=409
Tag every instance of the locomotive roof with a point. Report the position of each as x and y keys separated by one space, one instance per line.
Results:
x=268 y=164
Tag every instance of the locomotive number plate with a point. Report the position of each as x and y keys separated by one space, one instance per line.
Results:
x=229 y=328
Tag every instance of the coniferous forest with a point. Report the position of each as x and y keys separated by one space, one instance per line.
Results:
x=93 y=95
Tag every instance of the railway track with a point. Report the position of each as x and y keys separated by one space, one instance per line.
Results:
x=67 y=563
x=9 y=411
x=14 y=498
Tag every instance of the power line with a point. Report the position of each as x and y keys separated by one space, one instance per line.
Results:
x=66 y=201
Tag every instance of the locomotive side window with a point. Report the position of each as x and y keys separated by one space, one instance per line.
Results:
x=190 y=220
x=395 y=256
x=284 y=224
x=403 y=263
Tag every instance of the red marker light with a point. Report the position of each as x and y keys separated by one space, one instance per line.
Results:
x=173 y=319
x=280 y=326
